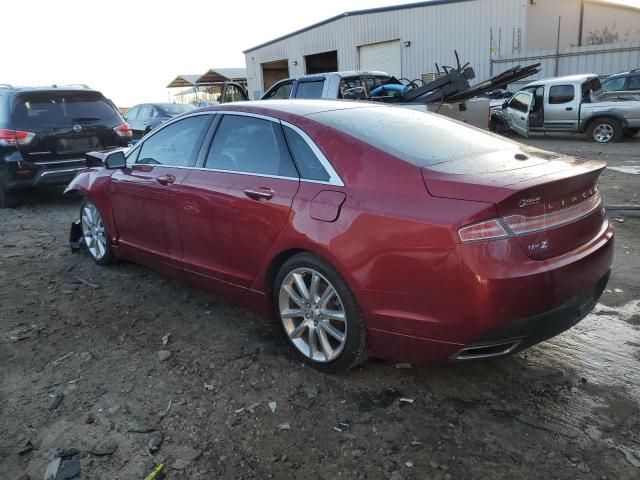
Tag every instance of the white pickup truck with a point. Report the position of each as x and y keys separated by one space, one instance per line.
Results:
x=568 y=104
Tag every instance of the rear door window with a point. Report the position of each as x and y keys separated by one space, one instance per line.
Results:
x=310 y=89
x=634 y=83
x=308 y=163
x=174 y=144
x=132 y=113
x=250 y=145
x=48 y=109
x=561 y=94
x=233 y=93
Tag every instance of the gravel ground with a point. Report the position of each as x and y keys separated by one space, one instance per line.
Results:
x=232 y=401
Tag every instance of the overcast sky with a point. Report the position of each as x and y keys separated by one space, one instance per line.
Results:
x=131 y=50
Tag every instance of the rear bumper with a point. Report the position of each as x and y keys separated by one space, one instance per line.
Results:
x=49 y=176
x=496 y=302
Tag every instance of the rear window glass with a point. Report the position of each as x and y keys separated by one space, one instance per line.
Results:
x=423 y=139
x=52 y=108
x=310 y=89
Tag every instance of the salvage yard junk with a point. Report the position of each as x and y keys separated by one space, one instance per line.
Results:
x=451 y=93
x=452 y=85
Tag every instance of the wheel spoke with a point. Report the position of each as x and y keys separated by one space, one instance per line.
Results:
x=292 y=313
x=313 y=346
x=326 y=295
x=333 y=315
x=302 y=287
x=324 y=344
x=297 y=299
x=100 y=246
x=313 y=293
x=298 y=331
x=86 y=219
x=333 y=331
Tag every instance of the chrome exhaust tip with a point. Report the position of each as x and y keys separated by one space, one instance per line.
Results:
x=489 y=350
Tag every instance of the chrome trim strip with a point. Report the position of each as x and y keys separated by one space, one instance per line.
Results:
x=61 y=170
x=56 y=162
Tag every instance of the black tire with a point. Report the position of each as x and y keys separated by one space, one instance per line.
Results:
x=354 y=350
x=7 y=198
x=608 y=124
x=631 y=132
x=107 y=257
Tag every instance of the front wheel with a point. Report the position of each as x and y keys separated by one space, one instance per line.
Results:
x=94 y=233
x=319 y=314
x=605 y=130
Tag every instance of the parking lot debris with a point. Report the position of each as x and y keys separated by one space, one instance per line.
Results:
x=87 y=283
x=100 y=391
x=155 y=475
x=155 y=441
x=273 y=406
x=61 y=359
x=166 y=411
x=69 y=467
x=403 y=365
x=164 y=355
x=407 y=400
x=302 y=399
x=165 y=339
x=139 y=428
x=343 y=426
x=51 y=472
x=21 y=333
x=56 y=401
x=619 y=220
x=26 y=448
x=284 y=426
x=408 y=464
x=105 y=447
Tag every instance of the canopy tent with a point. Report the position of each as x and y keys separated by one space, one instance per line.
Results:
x=212 y=76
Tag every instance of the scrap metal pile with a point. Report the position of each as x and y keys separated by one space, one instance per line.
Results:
x=451 y=86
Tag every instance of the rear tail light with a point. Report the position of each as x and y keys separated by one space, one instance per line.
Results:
x=515 y=225
x=123 y=130
x=489 y=230
x=11 y=138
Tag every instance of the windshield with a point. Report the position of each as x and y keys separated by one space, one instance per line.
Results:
x=63 y=108
x=177 y=108
x=423 y=139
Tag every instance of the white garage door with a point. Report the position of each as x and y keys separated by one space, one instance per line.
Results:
x=383 y=56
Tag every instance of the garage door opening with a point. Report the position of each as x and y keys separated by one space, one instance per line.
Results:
x=384 y=56
x=273 y=72
x=321 y=62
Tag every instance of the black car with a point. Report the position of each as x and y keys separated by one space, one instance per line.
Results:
x=45 y=132
x=145 y=117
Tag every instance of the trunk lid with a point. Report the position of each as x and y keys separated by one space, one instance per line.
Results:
x=549 y=202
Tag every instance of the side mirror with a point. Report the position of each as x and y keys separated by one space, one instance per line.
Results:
x=115 y=160
x=505 y=105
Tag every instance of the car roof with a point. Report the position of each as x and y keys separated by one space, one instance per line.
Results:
x=560 y=80
x=624 y=74
x=49 y=88
x=293 y=107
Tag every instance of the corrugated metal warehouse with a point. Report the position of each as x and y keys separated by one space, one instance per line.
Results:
x=407 y=40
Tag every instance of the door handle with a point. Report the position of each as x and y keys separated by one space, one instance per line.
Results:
x=261 y=193
x=568 y=109
x=522 y=118
x=165 y=179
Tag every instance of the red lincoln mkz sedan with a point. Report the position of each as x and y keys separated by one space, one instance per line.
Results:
x=365 y=229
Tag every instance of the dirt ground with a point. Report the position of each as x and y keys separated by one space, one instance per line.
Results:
x=568 y=408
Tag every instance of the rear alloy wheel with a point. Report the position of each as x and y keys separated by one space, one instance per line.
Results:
x=94 y=233
x=605 y=130
x=319 y=314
